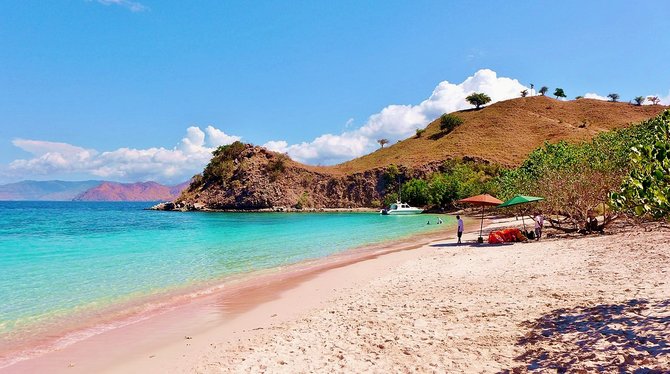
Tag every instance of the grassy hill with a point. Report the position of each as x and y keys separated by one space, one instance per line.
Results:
x=505 y=132
x=246 y=177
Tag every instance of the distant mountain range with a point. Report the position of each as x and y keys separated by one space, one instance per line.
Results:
x=45 y=190
x=91 y=190
x=140 y=191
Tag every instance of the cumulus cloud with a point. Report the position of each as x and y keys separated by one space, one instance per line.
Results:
x=591 y=95
x=396 y=122
x=133 y=6
x=188 y=157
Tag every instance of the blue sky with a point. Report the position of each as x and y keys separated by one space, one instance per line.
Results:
x=117 y=89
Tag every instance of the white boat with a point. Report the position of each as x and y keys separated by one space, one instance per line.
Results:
x=400 y=208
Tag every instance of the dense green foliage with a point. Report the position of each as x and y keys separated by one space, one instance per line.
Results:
x=478 y=99
x=646 y=191
x=576 y=179
x=221 y=166
x=420 y=132
x=459 y=179
x=448 y=122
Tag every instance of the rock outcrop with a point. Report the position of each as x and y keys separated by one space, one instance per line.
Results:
x=258 y=179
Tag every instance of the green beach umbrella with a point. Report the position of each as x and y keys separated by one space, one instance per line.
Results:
x=520 y=199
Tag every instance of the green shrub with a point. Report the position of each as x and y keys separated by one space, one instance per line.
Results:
x=304 y=201
x=646 y=190
x=448 y=122
x=221 y=167
x=390 y=198
x=415 y=192
x=276 y=166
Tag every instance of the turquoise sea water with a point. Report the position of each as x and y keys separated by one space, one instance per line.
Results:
x=57 y=258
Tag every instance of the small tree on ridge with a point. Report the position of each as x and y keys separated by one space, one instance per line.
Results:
x=614 y=97
x=543 y=90
x=639 y=100
x=383 y=142
x=559 y=93
x=478 y=99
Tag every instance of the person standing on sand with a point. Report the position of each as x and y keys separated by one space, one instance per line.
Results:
x=460 y=228
x=539 y=223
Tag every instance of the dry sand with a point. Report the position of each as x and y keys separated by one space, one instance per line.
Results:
x=598 y=302
x=592 y=303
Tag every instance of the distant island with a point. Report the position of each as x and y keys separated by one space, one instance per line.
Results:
x=91 y=190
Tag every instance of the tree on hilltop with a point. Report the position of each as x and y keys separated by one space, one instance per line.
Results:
x=524 y=93
x=654 y=100
x=639 y=100
x=543 y=90
x=478 y=99
x=383 y=142
x=559 y=93
x=614 y=97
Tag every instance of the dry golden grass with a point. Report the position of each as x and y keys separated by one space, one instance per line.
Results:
x=506 y=132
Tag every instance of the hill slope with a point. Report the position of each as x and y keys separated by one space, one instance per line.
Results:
x=140 y=191
x=507 y=131
x=247 y=177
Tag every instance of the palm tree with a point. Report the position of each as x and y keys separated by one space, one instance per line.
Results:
x=639 y=100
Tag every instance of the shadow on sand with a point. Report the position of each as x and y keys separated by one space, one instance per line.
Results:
x=472 y=244
x=631 y=337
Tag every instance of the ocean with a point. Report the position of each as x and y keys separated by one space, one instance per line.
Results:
x=61 y=259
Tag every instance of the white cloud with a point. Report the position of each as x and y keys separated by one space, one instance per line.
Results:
x=591 y=95
x=173 y=165
x=133 y=6
x=665 y=100
x=396 y=122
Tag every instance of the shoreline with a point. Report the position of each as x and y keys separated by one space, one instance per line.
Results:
x=437 y=307
x=203 y=296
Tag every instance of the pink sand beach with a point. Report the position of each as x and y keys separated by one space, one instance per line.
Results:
x=423 y=305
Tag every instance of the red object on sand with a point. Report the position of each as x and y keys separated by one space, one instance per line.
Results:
x=506 y=236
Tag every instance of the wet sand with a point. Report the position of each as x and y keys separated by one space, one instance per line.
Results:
x=222 y=306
